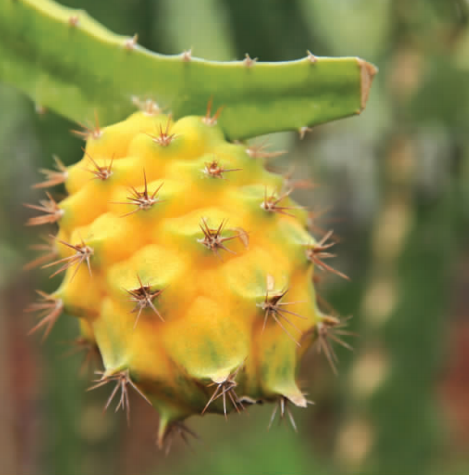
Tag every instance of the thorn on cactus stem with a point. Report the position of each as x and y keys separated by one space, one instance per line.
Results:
x=272 y=204
x=213 y=169
x=148 y=107
x=208 y=119
x=248 y=61
x=143 y=200
x=328 y=329
x=186 y=55
x=100 y=173
x=122 y=380
x=74 y=20
x=83 y=253
x=53 y=177
x=143 y=297
x=175 y=429
x=164 y=138
x=274 y=308
x=131 y=43
x=89 y=132
x=223 y=388
x=282 y=408
x=258 y=151
x=50 y=252
x=50 y=308
x=316 y=254
x=213 y=238
x=303 y=131
x=51 y=210
x=311 y=58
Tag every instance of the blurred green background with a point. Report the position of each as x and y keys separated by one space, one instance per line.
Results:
x=394 y=186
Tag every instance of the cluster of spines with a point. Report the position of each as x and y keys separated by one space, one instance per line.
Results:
x=214 y=239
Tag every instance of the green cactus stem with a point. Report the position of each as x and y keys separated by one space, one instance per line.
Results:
x=67 y=62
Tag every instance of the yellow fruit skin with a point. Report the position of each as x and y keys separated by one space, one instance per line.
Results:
x=189 y=266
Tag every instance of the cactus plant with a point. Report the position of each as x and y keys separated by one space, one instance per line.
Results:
x=189 y=266
x=42 y=52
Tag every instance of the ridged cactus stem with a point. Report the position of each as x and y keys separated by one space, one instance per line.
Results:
x=66 y=61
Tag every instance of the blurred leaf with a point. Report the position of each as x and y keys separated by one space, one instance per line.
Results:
x=272 y=30
x=202 y=26
x=347 y=26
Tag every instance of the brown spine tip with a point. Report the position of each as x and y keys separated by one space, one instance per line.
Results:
x=131 y=43
x=186 y=56
x=50 y=308
x=282 y=408
x=143 y=297
x=214 y=170
x=53 y=177
x=52 y=212
x=226 y=386
x=83 y=253
x=368 y=72
x=73 y=21
x=164 y=138
x=100 y=173
x=272 y=204
x=89 y=132
x=328 y=329
x=209 y=119
x=148 y=106
x=274 y=308
x=311 y=58
x=303 y=131
x=259 y=151
x=316 y=253
x=143 y=200
x=214 y=240
x=122 y=380
x=248 y=61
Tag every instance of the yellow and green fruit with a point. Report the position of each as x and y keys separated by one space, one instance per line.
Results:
x=188 y=265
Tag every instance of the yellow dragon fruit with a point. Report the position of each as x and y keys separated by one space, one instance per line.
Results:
x=188 y=265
